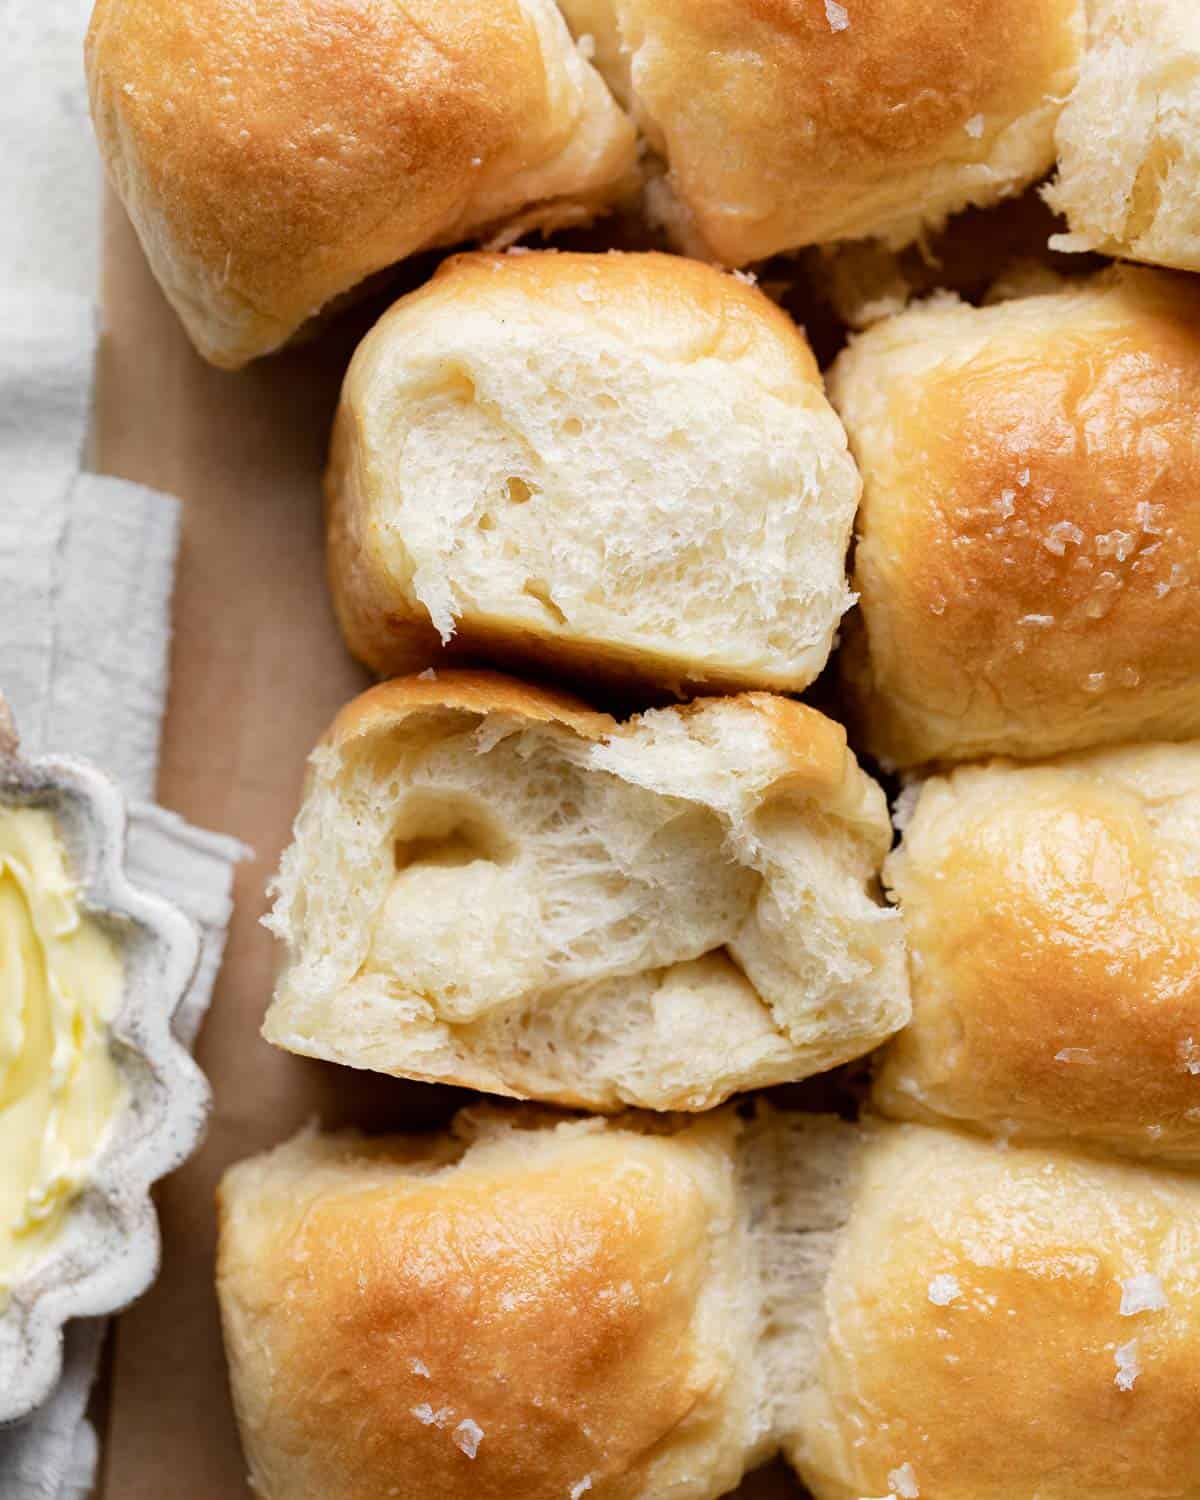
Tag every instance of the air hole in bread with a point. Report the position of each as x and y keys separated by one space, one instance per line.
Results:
x=517 y=490
x=572 y=427
x=435 y=828
x=536 y=589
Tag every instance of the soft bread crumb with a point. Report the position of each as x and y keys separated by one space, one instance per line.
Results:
x=1141 y=1293
x=836 y=15
x=1128 y=1368
x=943 y=1290
x=903 y=1481
x=467 y=1436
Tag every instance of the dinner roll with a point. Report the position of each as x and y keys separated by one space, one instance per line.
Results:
x=273 y=156
x=1030 y=524
x=1129 y=138
x=543 y=1313
x=493 y=886
x=1053 y=922
x=1007 y=1324
x=785 y=123
x=544 y=1308
x=624 y=464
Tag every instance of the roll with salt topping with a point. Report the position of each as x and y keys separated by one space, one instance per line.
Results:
x=1029 y=534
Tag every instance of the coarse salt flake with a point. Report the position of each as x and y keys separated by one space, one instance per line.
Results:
x=903 y=1481
x=1128 y=1368
x=428 y=675
x=1188 y=1053
x=419 y=1367
x=467 y=1436
x=974 y=127
x=943 y=1290
x=1141 y=1293
x=582 y=1487
x=1074 y=1054
x=1059 y=535
x=837 y=16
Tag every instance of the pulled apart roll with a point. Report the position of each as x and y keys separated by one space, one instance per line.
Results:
x=272 y=156
x=1029 y=534
x=785 y=123
x=493 y=886
x=632 y=1309
x=624 y=463
x=1052 y=915
x=1129 y=138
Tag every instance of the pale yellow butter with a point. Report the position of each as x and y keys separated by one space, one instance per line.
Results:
x=60 y=1089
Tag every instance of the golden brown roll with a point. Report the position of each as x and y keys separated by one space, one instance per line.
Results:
x=1004 y=1324
x=785 y=123
x=624 y=464
x=491 y=885
x=1030 y=524
x=273 y=156
x=627 y=1310
x=1129 y=137
x=1052 y=915
x=515 y=1311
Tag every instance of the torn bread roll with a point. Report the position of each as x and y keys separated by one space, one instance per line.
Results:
x=1128 y=139
x=634 y=1308
x=802 y=122
x=493 y=886
x=622 y=464
x=272 y=157
x=1030 y=523
x=1052 y=918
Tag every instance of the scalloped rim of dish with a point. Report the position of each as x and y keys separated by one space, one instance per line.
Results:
x=108 y=1251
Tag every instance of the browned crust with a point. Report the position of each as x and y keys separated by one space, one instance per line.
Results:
x=273 y=156
x=547 y=1300
x=387 y=705
x=809 y=134
x=996 y=616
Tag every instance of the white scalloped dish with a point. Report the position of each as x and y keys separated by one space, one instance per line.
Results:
x=104 y=1250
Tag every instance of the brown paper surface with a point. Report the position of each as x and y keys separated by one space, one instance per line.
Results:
x=257 y=671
